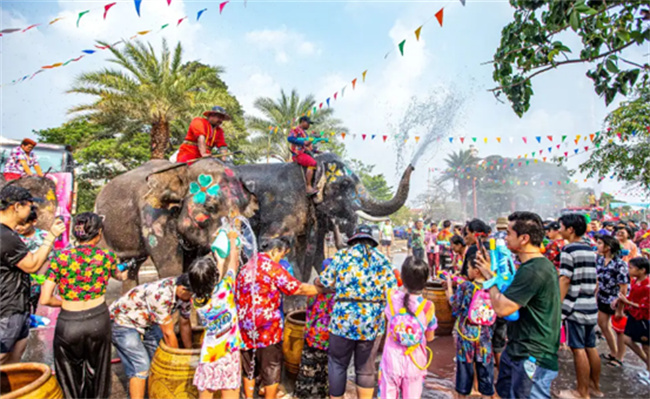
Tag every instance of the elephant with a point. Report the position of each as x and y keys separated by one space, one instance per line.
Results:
x=142 y=210
x=44 y=189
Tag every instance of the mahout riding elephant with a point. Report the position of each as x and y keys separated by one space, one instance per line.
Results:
x=39 y=187
x=144 y=207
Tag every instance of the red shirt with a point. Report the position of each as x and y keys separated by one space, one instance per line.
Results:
x=299 y=133
x=553 y=252
x=639 y=294
x=260 y=285
x=200 y=127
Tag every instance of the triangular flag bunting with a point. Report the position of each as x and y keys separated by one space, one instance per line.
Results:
x=451 y=139
x=343 y=90
x=198 y=14
x=578 y=137
x=566 y=154
x=181 y=20
x=417 y=33
x=143 y=32
x=539 y=139
x=222 y=5
x=401 y=46
x=525 y=140
x=335 y=94
x=54 y=20
x=557 y=146
x=485 y=140
x=320 y=106
x=462 y=140
x=384 y=137
x=563 y=138
x=108 y=7
x=81 y=14
x=474 y=139
x=576 y=150
x=354 y=83
x=417 y=138
x=328 y=101
x=363 y=136
x=343 y=136
x=586 y=148
x=164 y=26
x=591 y=137
x=439 y=16
x=363 y=75
x=550 y=138
x=499 y=139
x=137 y=6
x=372 y=137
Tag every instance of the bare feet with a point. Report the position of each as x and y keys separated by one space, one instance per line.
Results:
x=570 y=394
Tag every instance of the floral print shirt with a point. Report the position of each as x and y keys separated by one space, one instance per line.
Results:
x=82 y=273
x=361 y=276
x=219 y=317
x=319 y=308
x=149 y=304
x=553 y=252
x=13 y=162
x=470 y=349
x=33 y=243
x=260 y=285
x=610 y=276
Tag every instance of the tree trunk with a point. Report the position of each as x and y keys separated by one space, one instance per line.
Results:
x=462 y=191
x=159 y=138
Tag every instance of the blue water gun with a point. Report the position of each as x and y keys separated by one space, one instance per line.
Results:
x=504 y=267
x=36 y=321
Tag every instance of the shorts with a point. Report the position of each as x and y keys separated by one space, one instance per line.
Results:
x=499 y=332
x=340 y=354
x=465 y=378
x=225 y=373
x=581 y=336
x=606 y=308
x=268 y=364
x=13 y=329
x=135 y=350
x=638 y=330
x=305 y=160
x=386 y=243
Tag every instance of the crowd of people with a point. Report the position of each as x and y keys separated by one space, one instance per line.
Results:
x=573 y=278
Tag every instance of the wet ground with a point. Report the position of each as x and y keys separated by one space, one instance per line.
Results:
x=439 y=383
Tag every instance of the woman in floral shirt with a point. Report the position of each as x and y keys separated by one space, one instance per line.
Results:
x=312 y=380
x=82 y=339
x=361 y=276
x=613 y=277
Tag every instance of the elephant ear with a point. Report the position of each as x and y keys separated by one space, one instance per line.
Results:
x=167 y=186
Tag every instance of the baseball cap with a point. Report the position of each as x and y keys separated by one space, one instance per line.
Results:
x=305 y=119
x=363 y=231
x=12 y=194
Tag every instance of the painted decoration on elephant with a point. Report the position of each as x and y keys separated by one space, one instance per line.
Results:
x=333 y=172
x=63 y=195
x=204 y=188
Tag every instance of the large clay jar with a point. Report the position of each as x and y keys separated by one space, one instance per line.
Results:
x=29 y=381
x=293 y=340
x=436 y=294
x=172 y=373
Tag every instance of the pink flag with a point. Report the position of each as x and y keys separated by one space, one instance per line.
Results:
x=222 y=5
x=30 y=27
x=108 y=7
x=181 y=20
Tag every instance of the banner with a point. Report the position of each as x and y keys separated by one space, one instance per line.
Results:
x=64 y=192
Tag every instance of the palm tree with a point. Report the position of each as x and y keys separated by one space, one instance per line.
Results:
x=461 y=165
x=149 y=92
x=283 y=113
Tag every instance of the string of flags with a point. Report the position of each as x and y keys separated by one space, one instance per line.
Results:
x=96 y=48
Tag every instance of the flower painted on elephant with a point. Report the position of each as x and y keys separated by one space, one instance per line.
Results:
x=153 y=241
x=203 y=188
x=50 y=196
x=333 y=173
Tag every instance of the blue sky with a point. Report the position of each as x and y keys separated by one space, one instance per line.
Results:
x=314 y=47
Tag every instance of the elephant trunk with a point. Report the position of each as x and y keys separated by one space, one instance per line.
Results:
x=384 y=208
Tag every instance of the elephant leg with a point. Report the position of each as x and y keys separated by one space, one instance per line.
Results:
x=167 y=255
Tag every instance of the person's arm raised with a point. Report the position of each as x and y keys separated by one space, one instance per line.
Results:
x=32 y=262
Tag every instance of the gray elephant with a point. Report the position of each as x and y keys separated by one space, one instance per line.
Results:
x=43 y=188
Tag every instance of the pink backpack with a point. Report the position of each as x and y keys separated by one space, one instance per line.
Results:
x=481 y=311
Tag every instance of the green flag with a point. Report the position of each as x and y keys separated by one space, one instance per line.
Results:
x=401 y=46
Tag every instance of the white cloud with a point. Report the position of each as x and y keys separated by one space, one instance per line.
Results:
x=283 y=42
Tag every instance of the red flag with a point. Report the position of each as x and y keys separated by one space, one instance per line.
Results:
x=181 y=20
x=222 y=5
x=566 y=154
x=30 y=27
x=550 y=138
x=343 y=136
x=591 y=137
x=335 y=94
x=320 y=106
x=169 y=2
x=586 y=148
x=439 y=16
x=462 y=140
x=108 y=7
x=363 y=136
x=384 y=137
x=354 y=83
x=558 y=146
x=102 y=47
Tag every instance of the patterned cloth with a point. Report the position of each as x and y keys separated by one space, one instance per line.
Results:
x=33 y=243
x=82 y=273
x=219 y=317
x=361 y=276
x=610 y=276
x=553 y=250
x=470 y=349
x=149 y=304
x=418 y=238
x=13 y=162
x=224 y=373
x=319 y=309
x=312 y=380
x=260 y=285
x=578 y=263
x=297 y=133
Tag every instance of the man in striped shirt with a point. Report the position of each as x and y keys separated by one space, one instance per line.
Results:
x=578 y=281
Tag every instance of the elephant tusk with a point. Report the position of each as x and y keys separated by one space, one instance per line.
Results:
x=365 y=216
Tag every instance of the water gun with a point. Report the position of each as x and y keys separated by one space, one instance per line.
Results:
x=398 y=277
x=504 y=267
x=38 y=278
x=129 y=264
x=443 y=243
x=36 y=321
x=316 y=140
x=221 y=244
x=442 y=275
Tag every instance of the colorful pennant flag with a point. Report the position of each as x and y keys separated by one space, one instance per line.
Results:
x=198 y=14
x=363 y=136
x=401 y=47
x=137 y=6
x=335 y=95
x=499 y=140
x=222 y=5
x=328 y=101
x=364 y=75
x=54 y=20
x=354 y=83
x=30 y=27
x=108 y=7
x=81 y=14
x=384 y=138
x=417 y=33
x=539 y=139
x=550 y=138
x=417 y=138
x=439 y=16
x=181 y=20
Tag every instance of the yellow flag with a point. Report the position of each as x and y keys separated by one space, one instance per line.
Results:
x=417 y=33
x=364 y=75
x=485 y=140
x=143 y=32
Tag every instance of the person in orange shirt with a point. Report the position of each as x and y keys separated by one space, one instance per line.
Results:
x=203 y=135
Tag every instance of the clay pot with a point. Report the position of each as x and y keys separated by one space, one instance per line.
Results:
x=436 y=294
x=172 y=373
x=293 y=340
x=29 y=381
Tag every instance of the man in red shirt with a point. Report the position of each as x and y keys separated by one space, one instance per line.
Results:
x=301 y=150
x=203 y=135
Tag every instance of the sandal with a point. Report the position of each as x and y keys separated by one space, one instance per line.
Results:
x=607 y=357
x=615 y=363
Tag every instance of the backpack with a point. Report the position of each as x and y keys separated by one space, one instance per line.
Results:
x=481 y=311
x=407 y=330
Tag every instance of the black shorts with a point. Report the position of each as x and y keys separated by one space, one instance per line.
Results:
x=499 y=332
x=12 y=329
x=638 y=330
x=340 y=354
x=386 y=243
x=268 y=364
x=606 y=308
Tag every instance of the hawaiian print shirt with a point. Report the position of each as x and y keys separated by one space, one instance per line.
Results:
x=610 y=276
x=469 y=348
x=33 y=243
x=13 y=162
x=260 y=285
x=82 y=273
x=319 y=309
x=553 y=252
x=219 y=317
x=361 y=277
x=418 y=238
x=149 y=304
